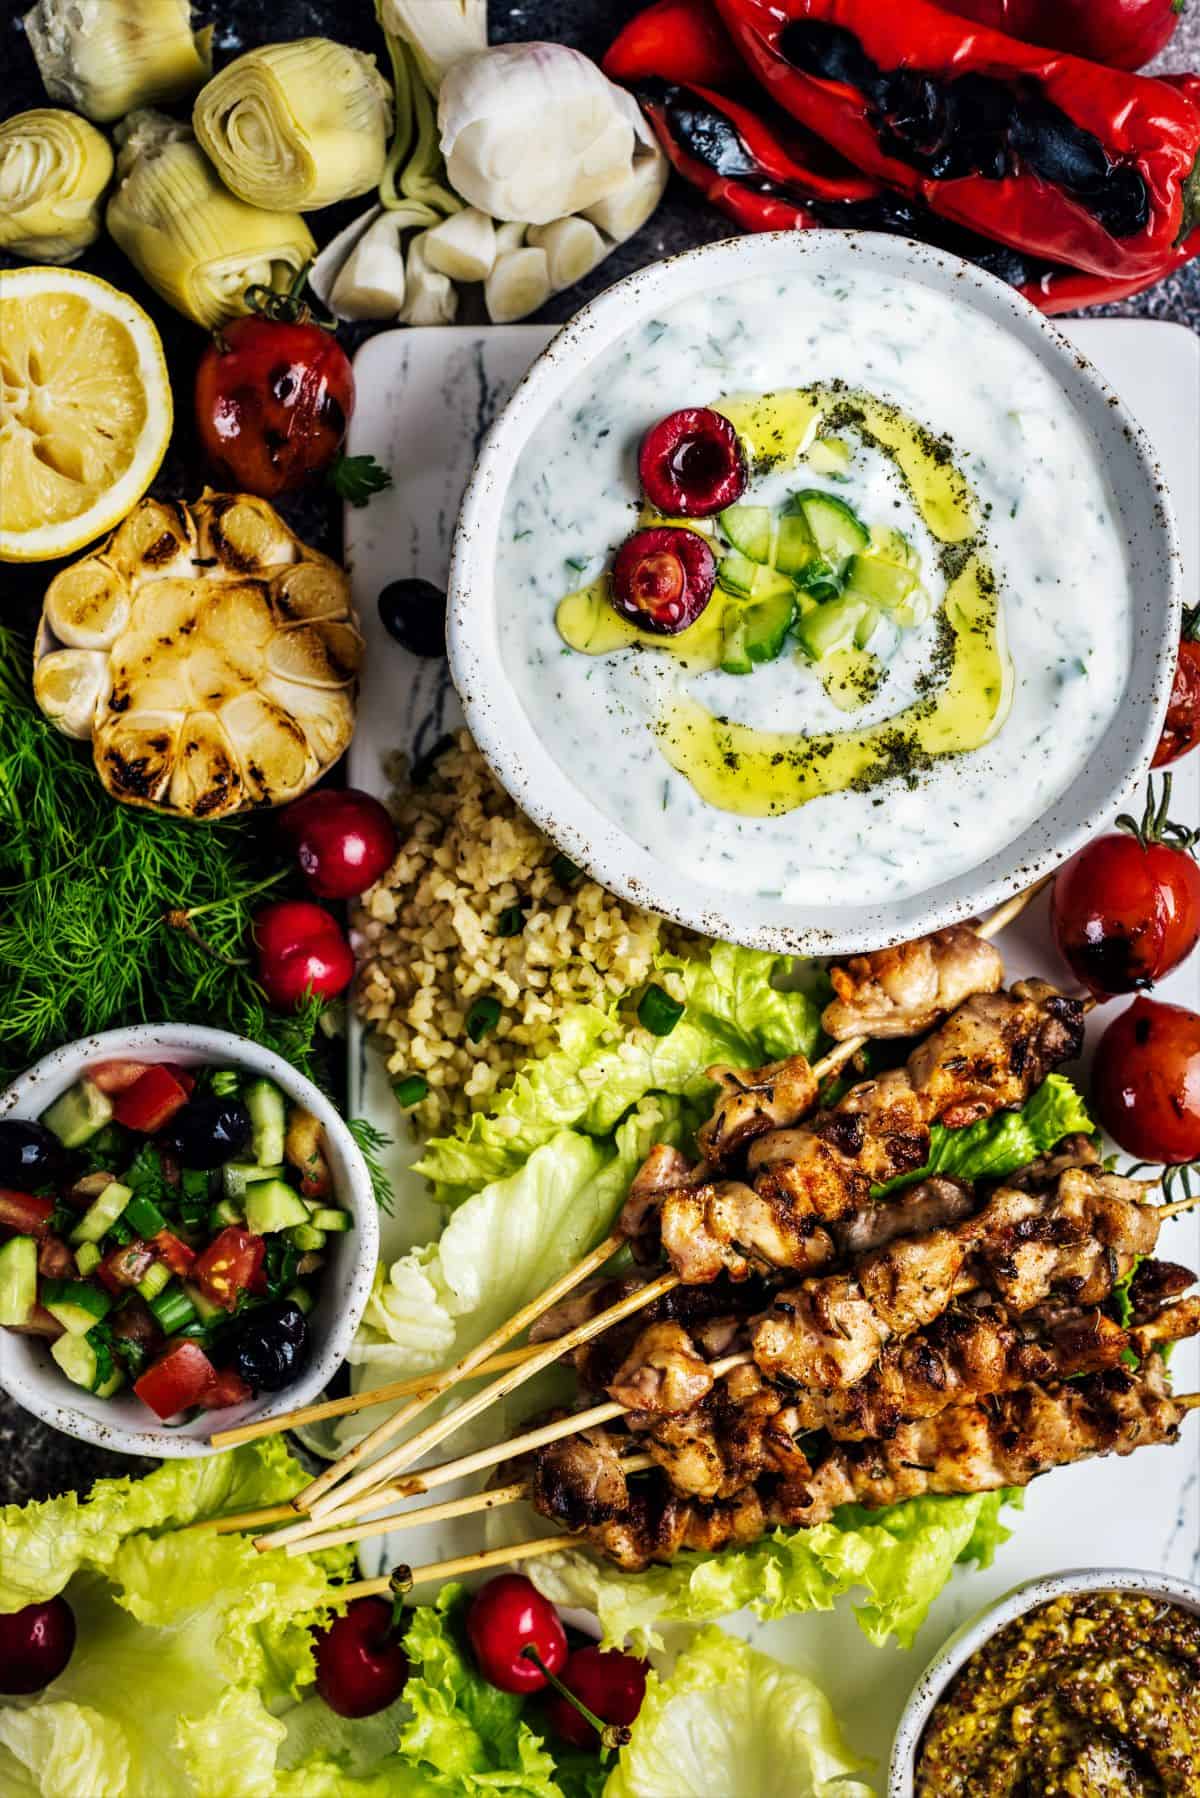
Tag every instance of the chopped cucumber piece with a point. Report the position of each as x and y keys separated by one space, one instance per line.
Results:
x=795 y=546
x=114 y=1383
x=77 y=1305
x=894 y=546
x=225 y=1213
x=173 y=1309
x=885 y=584
x=81 y=1113
x=748 y=528
x=236 y=1176
x=18 y=1279
x=268 y=1114
x=820 y=581
x=838 y=531
x=735 y=657
x=767 y=623
x=155 y=1280
x=916 y=608
x=331 y=1218
x=144 y=1216
x=300 y=1295
x=306 y=1237
x=829 y=455
x=830 y=627
x=866 y=627
x=102 y=1213
x=78 y=1360
x=272 y=1205
x=202 y=1305
x=736 y=573
x=88 y=1258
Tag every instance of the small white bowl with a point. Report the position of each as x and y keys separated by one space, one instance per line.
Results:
x=122 y=1423
x=955 y=1653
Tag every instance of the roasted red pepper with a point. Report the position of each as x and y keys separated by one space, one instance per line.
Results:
x=1060 y=158
x=681 y=40
x=1123 y=33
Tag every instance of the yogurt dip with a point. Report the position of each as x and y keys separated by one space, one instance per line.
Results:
x=672 y=749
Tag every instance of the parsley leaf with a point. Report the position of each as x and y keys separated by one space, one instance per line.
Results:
x=356 y=478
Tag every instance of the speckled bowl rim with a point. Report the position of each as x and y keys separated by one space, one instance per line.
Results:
x=28 y=1374
x=979 y=1629
x=510 y=743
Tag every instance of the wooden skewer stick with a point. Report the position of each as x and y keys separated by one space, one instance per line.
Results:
x=240 y=1520
x=403 y=1579
x=1179 y=1207
x=436 y=1432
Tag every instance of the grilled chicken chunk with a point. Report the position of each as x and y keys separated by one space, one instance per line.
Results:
x=662 y=1372
x=752 y=1101
x=905 y=990
x=991 y=1053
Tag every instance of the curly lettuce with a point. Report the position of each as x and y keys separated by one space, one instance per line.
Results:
x=999 y=1145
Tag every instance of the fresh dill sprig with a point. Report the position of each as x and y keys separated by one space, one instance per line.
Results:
x=371 y=1143
x=111 y=915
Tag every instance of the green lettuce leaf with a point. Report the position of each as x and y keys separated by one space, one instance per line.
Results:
x=604 y=1064
x=999 y=1145
x=731 y=1719
x=901 y=1558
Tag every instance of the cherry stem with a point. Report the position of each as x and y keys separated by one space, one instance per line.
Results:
x=612 y=1735
x=182 y=920
x=1191 y=624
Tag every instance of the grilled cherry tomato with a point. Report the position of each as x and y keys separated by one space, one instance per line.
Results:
x=506 y=1617
x=229 y=1265
x=1181 y=726
x=1126 y=910
x=35 y=1645
x=1146 y=1081
x=608 y=1682
x=177 y=1380
x=361 y=1663
x=274 y=395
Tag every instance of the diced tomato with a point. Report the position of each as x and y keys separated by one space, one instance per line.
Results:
x=175 y=1253
x=55 y=1260
x=229 y=1265
x=150 y=1101
x=124 y=1266
x=228 y=1388
x=177 y=1380
x=24 y=1212
x=39 y=1323
x=117 y=1076
x=184 y=1076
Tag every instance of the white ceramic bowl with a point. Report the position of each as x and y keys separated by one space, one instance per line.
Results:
x=525 y=764
x=122 y=1423
x=963 y=1643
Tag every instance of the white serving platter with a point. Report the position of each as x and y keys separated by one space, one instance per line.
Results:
x=425 y=400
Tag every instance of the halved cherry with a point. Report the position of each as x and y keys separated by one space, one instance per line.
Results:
x=663 y=578
x=691 y=463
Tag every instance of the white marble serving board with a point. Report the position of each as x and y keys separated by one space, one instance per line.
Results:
x=425 y=399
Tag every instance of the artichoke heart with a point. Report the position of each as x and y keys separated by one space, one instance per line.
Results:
x=210 y=656
x=107 y=57
x=54 y=167
x=297 y=124
x=197 y=245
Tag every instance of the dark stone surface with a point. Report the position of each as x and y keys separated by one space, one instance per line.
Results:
x=36 y=1461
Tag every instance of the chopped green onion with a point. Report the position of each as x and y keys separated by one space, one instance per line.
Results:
x=172 y=1309
x=483 y=1016
x=144 y=1216
x=658 y=1012
x=411 y=1090
x=565 y=870
x=119 y=1232
x=511 y=921
x=224 y=1082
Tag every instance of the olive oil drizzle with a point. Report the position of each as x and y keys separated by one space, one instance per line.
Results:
x=968 y=691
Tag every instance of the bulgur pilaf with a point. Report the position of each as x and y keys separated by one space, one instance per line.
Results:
x=479 y=904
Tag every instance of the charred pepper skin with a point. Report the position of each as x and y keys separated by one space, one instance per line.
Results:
x=1065 y=160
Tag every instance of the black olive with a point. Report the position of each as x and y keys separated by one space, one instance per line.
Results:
x=414 y=612
x=268 y=1346
x=209 y=1131
x=30 y=1155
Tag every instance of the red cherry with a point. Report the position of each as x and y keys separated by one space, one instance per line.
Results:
x=300 y=948
x=611 y=1684
x=35 y=1646
x=691 y=463
x=361 y=1663
x=507 y=1616
x=1146 y=1082
x=344 y=840
x=663 y=578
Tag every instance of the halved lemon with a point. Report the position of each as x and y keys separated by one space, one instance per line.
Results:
x=85 y=410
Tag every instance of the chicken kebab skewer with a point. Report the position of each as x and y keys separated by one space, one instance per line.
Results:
x=811 y=1181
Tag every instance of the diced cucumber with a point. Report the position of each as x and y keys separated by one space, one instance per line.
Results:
x=300 y=1295
x=155 y=1279
x=77 y=1359
x=885 y=584
x=81 y=1113
x=820 y=581
x=236 y=1176
x=748 y=528
x=767 y=623
x=839 y=532
x=202 y=1305
x=795 y=547
x=894 y=546
x=77 y=1305
x=102 y=1213
x=173 y=1309
x=332 y=1219
x=866 y=627
x=306 y=1237
x=268 y=1114
x=735 y=657
x=736 y=573
x=225 y=1213
x=272 y=1205
x=88 y=1258
x=829 y=455
x=830 y=627
x=18 y=1279
x=114 y=1383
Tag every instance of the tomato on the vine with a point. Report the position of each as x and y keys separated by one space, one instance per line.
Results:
x=1146 y=1082
x=274 y=395
x=1126 y=910
x=1181 y=726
